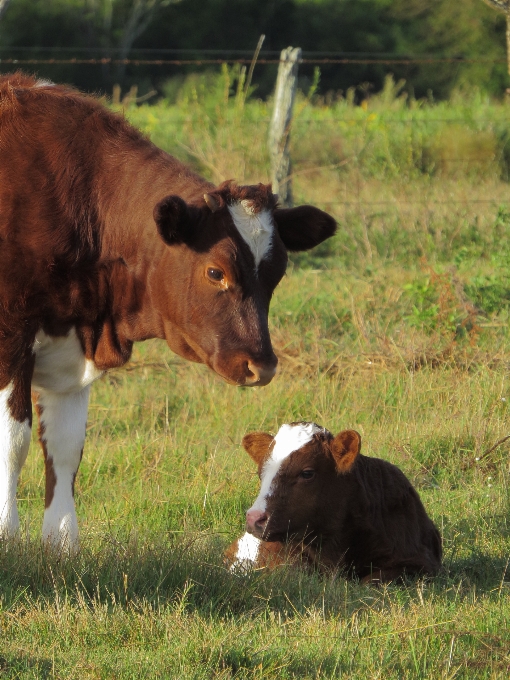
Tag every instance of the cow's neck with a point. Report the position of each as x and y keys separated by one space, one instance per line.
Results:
x=131 y=246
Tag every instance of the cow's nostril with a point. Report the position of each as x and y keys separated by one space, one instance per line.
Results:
x=250 y=375
x=261 y=521
x=259 y=375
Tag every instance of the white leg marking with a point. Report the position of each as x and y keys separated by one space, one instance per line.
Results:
x=60 y=365
x=255 y=228
x=290 y=438
x=63 y=419
x=246 y=555
x=14 y=442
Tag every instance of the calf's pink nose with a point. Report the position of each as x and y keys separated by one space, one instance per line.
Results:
x=255 y=519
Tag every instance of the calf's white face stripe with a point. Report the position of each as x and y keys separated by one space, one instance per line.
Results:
x=247 y=553
x=256 y=229
x=290 y=438
x=14 y=443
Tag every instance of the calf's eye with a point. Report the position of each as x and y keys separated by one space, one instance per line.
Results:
x=307 y=474
x=215 y=275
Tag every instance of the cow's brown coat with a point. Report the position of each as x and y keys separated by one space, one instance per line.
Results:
x=80 y=192
x=104 y=235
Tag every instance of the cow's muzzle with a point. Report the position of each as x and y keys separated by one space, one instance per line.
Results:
x=244 y=370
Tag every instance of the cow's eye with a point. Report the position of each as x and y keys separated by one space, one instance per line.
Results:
x=307 y=474
x=215 y=275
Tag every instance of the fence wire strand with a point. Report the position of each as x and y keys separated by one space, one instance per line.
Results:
x=310 y=59
x=205 y=62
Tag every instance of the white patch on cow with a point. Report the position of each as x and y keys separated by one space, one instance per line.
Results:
x=290 y=438
x=255 y=228
x=62 y=378
x=60 y=365
x=14 y=443
x=246 y=555
x=44 y=83
x=63 y=423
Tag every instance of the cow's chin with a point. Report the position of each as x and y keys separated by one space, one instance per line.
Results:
x=232 y=367
x=274 y=534
x=178 y=344
x=267 y=534
x=191 y=352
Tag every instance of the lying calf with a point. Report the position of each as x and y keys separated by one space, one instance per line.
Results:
x=323 y=503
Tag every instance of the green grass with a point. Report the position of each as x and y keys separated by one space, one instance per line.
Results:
x=398 y=328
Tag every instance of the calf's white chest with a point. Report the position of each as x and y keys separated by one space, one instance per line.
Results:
x=60 y=364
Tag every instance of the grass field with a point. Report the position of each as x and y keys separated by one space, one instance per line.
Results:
x=398 y=328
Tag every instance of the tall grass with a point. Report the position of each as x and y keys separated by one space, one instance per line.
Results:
x=398 y=328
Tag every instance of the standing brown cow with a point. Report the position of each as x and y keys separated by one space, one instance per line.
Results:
x=106 y=240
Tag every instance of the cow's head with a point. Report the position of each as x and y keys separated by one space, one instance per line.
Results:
x=305 y=480
x=224 y=257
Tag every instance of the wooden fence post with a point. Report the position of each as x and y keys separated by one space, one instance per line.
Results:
x=279 y=129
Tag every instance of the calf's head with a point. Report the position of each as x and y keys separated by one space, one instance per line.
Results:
x=305 y=478
x=225 y=256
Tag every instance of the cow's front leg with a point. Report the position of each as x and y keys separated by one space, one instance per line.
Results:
x=15 y=428
x=62 y=423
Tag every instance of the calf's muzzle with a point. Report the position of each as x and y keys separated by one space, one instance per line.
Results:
x=256 y=521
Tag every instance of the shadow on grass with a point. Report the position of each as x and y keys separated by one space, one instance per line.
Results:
x=25 y=666
x=487 y=572
x=466 y=561
x=189 y=574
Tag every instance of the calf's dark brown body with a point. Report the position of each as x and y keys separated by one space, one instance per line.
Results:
x=329 y=505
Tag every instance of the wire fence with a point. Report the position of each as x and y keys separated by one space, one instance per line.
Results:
x=354 y=197
x=98 y=61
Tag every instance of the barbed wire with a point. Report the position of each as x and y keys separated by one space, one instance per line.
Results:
x=205 y=62
x=248 y=53
x=224 y=51
x=424 y=201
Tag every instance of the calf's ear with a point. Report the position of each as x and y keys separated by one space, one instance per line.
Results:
x=257 y=444
x=303 y=227
x=345 y=448
x=175 y=219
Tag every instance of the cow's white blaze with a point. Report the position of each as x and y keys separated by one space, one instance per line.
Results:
x=290 y=438
x=14 y=442
x=255 y=228
x=247 y=553
x=60 y=365
x=63 y=422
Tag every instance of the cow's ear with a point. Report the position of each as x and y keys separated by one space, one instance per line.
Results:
x=175 y=219
x=345 y=448
x=257 y=444
x=304 y=227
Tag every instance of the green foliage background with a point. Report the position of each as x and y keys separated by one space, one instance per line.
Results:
x=465 y=28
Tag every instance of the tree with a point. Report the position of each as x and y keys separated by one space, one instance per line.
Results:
x=139 y=18
x=4 y=4
x=121 y=22
x=503 y=6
